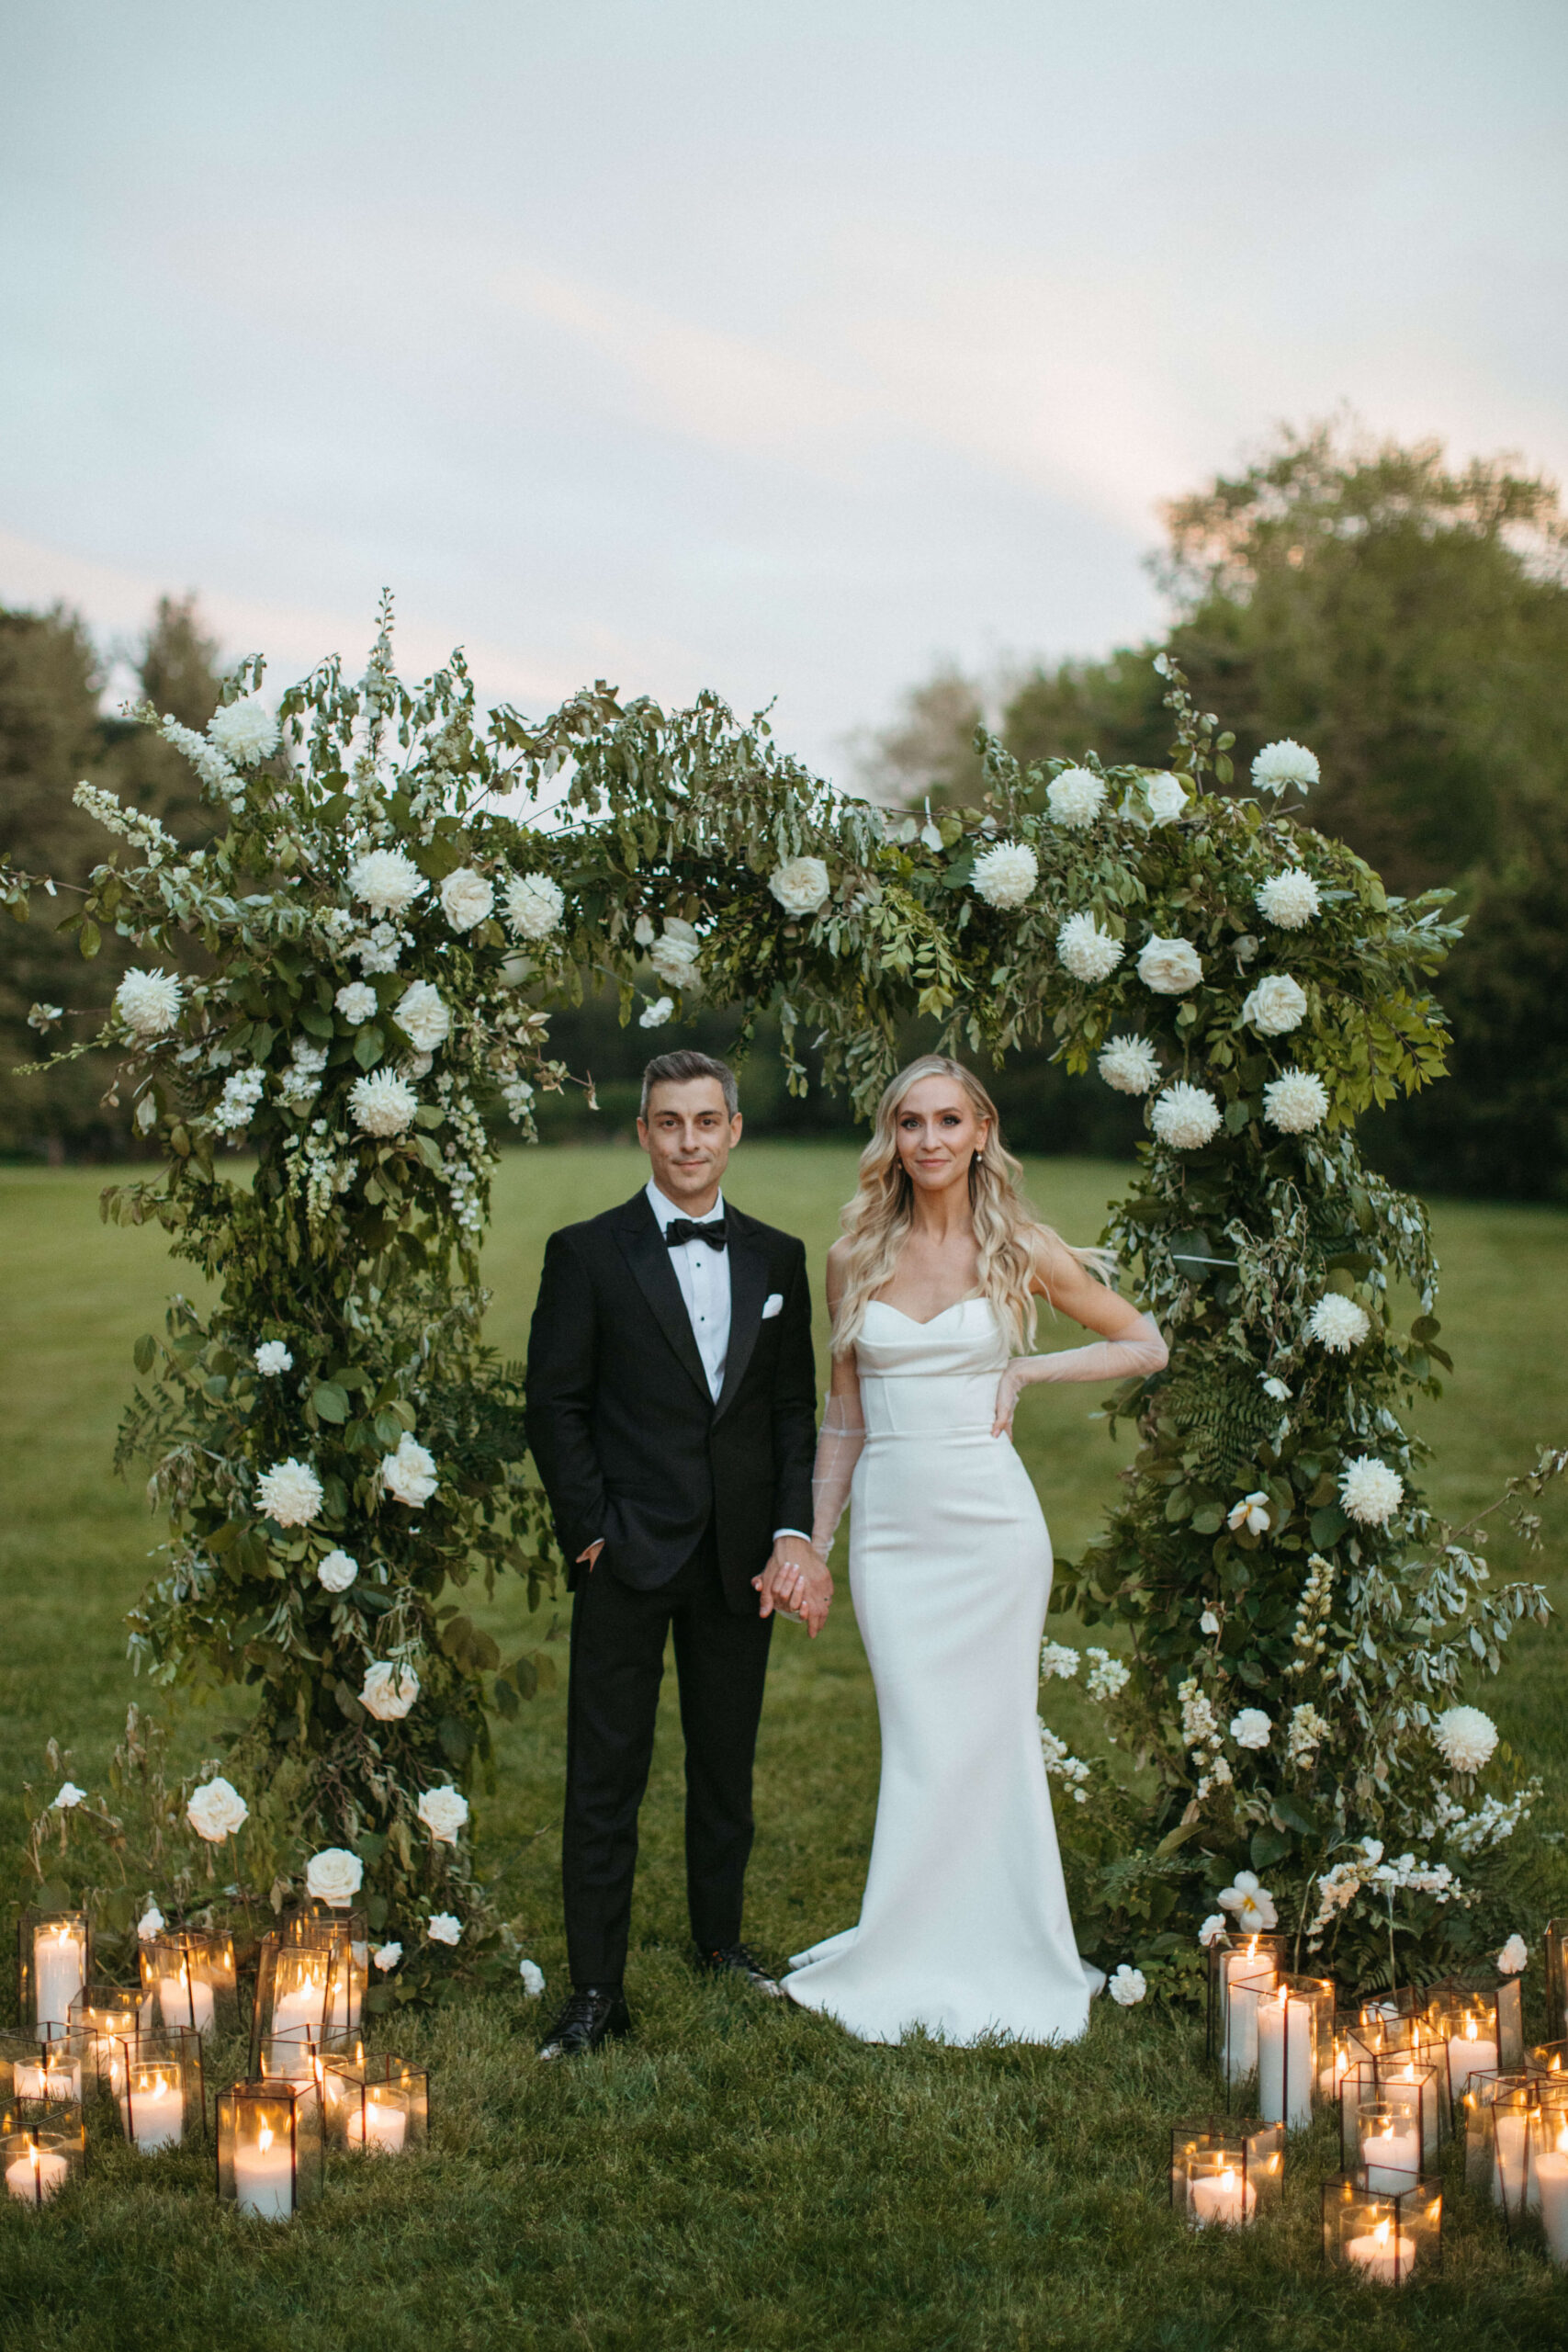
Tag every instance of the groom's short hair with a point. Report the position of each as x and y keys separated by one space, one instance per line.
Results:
x=675 y=1069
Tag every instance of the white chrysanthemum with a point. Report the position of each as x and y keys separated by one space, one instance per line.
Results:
x=1514 y=1957
x=383 y=1104
x=387 y=1956
x=1296 y=1102
x=1170 y=966
x=1290 y=900
x=290 y=1492
x=446 y=1928
x=337 y=1571
x=243 y=730
x=1250 y=1905
x=1166 y=797
x=1129 y=1064
x=1057 y=1661
x=533 y=905
x=1337 y=1323
x=216 y=1811
x=657 y=1014
x=1251 y=1728
x=152 y=1923
x=675 y=960
x=1285 y=763
x=443 y=1812
x=533 y=1977
x=273 y=1358
x=422 y=1017
x=334 y=1877
x=1005 y=875
x=1213 y=1927
x=800 y=885
x=356 y=1002
x=148 y=1002
x=1370 y=1492
x=69 y=1798
x=467 y=898
x=389 y=1691
x=1185 y=1116
x=1275 y=1004
x=1127 y=1986
x=1086 y=952
x=410 y=1474
x=387 y=881
x=1075 y=798
x=1465 y=1738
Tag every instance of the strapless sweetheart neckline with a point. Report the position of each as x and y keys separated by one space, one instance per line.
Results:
x=914 y=1322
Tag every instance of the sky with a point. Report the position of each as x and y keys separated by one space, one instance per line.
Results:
x=784 y=350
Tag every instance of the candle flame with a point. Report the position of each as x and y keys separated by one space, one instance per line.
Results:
x=1227 y=2178
x=1380 y=2232
x=264 y=2138
x=1252 y=1947
x=1562 y=2141
x=1470 y=2030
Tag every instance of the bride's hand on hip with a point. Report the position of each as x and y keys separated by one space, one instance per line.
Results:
x=1018 y=1376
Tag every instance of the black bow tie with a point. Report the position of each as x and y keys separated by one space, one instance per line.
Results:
x=686 y=1228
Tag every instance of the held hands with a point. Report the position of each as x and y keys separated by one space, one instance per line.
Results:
x=796 y=1580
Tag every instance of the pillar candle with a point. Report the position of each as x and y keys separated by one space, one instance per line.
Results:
x=36 y=2176
x=379 y=2126
x=1550 y=2174
x=154 y=2114
x=1469 y=2055
x=1509 y=2130
x=60 y=1970
x=1285 y=2060
x=1383 y=2255
x=1391 y=2155
x=1241 y=2008
x=1223 y=2197
x=264 y=2177
x=184 y=2000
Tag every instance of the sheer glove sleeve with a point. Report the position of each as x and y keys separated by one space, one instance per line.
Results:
x=1128 y=1359
x=841 y=1440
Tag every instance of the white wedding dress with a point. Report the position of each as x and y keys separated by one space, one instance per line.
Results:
x=965 y=1928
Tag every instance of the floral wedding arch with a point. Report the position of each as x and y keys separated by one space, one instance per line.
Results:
x=353 y=974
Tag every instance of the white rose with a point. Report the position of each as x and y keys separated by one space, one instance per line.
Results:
x=1513 y=1956
x=1127 y=1986
x=1251 y=1728
x=335 y=1876
x=410 y=1474
x=386 y=880
x=148 y=1002
x=675 y=960
x=1465 y=1738
x=1129 y=1064
x=800 y=885
x=533 y=1977
x=1075 y=798
x=290 y=1492
x=243 y=730
x=422 y=1017
x=337 y=1571
x=389 y=1691
x=1213 y=1929
x=152 y=1923
x=216 y=1811
x=446 y=1928
x=534 y=905
x=387 y=1956
x=657 y=1014
x=443 y=1812
x=356 y=1002
x=1086 y=951
x=1186 y=1117
x=1170 y=966
x=467 y=898
x=1166 y=797
x=273 y=1358
x=1290 y=900
x=1284 y=762
x=1296 y=1103
x=1275 y=1004
x=1005 y=875
x=69 y=1798
x=383 y=1104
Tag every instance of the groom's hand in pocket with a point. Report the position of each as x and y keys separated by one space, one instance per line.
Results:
x=796 y=1580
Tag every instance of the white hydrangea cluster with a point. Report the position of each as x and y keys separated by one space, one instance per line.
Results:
x=379 y=952
x=1465 y=1738
x=289 y=1493
x=236 y=1105
x=1186 y=1117
x=1337 y=1323
x=1107 y=1675
x=356 y=1002
x=1370 y=1492
x=1285 y=763
x=1005 y=875
x=1276 y=1005
x=1086 y=951
x=1170 y=966
x=383 y=1104
x=244 y=731
x=467 y=898
x=422 y=1016
x=1061 y=1765
x=1130 y=1065
x=1075 y=798
x=1057 y=1662
x=801 y=885
x=534 y=905
x=675 y=955
x=388 y=881
x=1290 y=900
x=1295 y=1102
x=1306 y=1733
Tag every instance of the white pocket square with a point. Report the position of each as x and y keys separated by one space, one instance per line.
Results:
x=772 y=1305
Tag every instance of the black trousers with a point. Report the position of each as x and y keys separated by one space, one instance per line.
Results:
x=617 y=1663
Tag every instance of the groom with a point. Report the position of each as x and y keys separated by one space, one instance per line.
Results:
x=671 y=1413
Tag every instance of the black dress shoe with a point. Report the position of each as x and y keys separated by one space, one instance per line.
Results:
x=592 y=2017
x=739 y=1960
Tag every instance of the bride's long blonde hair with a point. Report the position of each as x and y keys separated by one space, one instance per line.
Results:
x=877 y=1222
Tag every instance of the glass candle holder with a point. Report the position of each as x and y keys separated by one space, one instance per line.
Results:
x=1547 y=2059
x=1414 y=2081
x=345 y=1926
x=309 y=1976
x=45 y=2065
x=292 y=2056
x=1388 y=2145
x=190 y=1978
x=269 y=2147
x=1225 y=2172
x=104 y=2018
x=1556 y=1971
x=1548 y=2160
x=162 y=2103
x=1471 y=2114
x=1382 y=2239
x=54 y=1961
x=43 y=2147
x=1506 y=2138
x=1295 y=2026
x=1234 y=2044
x=380 y=2105
x=1482 y=2020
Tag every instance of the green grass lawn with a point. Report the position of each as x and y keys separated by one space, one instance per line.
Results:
x=733 y=2176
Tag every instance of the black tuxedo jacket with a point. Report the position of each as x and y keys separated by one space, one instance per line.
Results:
x=628 y=1439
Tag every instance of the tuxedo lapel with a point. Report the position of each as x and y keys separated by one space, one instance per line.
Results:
x=647 y=1254
x=748 y=1289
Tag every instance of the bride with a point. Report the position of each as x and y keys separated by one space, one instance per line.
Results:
x=964 y=1929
